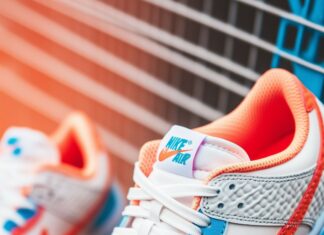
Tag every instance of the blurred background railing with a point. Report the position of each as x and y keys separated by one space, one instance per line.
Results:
x=137 y=67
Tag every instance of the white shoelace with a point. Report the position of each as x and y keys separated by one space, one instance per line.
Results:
x=13 y=177
x=158 y=205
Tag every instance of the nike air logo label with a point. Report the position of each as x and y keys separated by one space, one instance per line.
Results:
x=177 y=151
x=174 y=147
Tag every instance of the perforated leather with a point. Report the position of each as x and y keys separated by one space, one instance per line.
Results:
x=254 y=200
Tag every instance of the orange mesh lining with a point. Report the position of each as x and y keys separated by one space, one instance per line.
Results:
x=272 y=120
x=148 y=156
x=270 y=113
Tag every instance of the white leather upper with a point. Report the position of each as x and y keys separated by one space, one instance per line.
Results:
x=305 y=160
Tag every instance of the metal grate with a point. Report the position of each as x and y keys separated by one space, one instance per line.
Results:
x=138 y=66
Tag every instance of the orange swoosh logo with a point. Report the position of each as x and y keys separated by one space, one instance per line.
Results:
x=165 y=153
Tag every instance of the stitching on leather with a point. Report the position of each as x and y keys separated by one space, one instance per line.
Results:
x=262 y=179
x=206 y=205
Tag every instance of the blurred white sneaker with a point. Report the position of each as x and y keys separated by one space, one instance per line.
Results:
x=59 y=185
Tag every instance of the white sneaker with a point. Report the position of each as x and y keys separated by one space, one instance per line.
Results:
x=258 y=170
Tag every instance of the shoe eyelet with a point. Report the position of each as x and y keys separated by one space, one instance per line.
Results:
x=231 y=186
x=220 y=205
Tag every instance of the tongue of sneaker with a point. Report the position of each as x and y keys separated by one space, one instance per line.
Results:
x=187 y=157
x=28 y=146
x=188 y=153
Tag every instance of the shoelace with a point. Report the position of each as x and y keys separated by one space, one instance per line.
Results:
x=158 y=205
x=13 y=177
